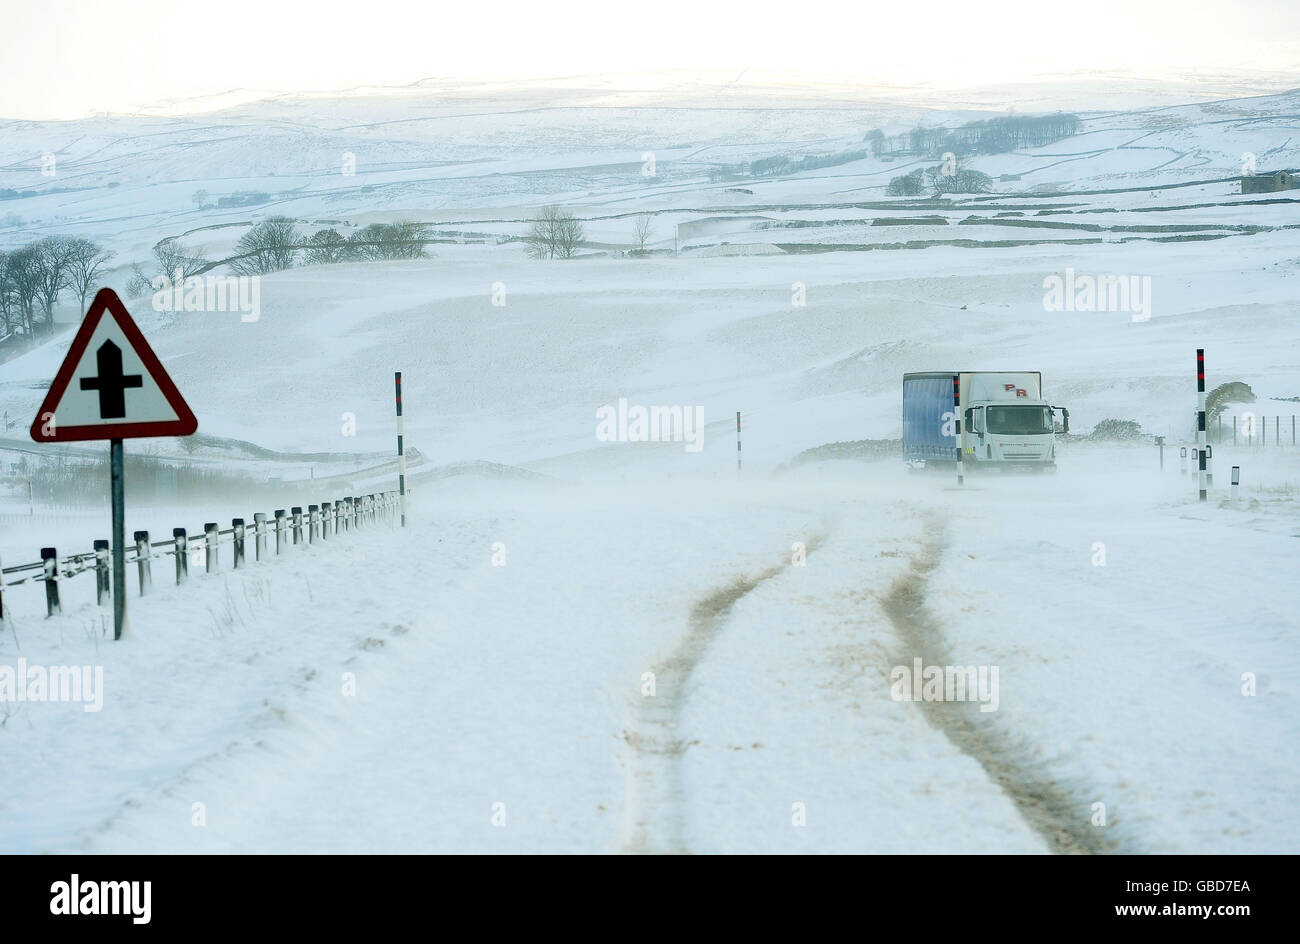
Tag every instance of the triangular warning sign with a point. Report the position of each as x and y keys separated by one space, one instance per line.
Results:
x=111 y=384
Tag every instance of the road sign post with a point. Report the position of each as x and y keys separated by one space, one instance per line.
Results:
x=119 y=537
x=112 y=386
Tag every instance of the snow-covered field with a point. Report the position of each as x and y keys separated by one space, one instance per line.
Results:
x=581 y=645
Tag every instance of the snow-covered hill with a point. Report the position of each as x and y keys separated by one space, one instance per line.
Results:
x=500 y=646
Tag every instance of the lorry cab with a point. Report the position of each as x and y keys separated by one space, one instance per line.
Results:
x=1006 y=421
x=1012 y=432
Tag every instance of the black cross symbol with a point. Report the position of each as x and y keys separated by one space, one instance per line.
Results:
x=111 y=383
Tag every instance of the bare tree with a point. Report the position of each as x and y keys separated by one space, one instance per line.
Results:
x=174 y=262
x=555 y=234
x=325 y=246
x=401 y=240
x=270 y=246
x=23 y=270
x=174 y=258
x=86 y=261
x=54 y=253
x=642 y=224
x=10 y=314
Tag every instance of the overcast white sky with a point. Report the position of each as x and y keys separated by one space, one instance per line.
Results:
x=67 y=58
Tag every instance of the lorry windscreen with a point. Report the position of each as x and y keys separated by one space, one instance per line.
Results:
x=1019 y=420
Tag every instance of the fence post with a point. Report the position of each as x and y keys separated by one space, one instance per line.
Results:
x=279 y=531
x=238 y=525
x=101 y=573
x=2 y=594
x=296 y=511
x=144 y=561
x=181 y=545
x=259 y=534
x=1234 y=430
x=211 y=543
x=50 y=558
x=325 y=513
x=356 y=510
x=313 y=522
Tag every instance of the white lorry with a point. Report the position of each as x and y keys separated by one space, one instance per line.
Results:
x=1005 y=422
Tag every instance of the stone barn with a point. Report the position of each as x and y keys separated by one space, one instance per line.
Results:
x=1271 y=183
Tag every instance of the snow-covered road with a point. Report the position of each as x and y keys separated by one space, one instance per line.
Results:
x=657 y=666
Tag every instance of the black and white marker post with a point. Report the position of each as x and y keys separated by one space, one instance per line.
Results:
x=956 y=417
x=737 y=442
x=401 y=447
x=1200 y=419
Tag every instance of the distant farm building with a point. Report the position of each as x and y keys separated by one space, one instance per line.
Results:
x=1271 y=183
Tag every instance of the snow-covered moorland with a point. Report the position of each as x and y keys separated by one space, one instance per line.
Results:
x=589 y=645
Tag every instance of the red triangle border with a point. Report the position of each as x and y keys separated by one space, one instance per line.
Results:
x=106 y=300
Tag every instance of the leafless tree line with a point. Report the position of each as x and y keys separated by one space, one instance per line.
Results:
x=990 y=136
x=277 y=243
x=935 y=180
x=33 y=277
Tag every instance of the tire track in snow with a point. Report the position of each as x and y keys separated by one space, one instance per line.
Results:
x=654 y=801
x=1051 y=808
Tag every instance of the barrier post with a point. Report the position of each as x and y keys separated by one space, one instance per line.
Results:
x=101 y=572
x=50 y=558
x=211 y=543
x=144 y=561
x=181 y=546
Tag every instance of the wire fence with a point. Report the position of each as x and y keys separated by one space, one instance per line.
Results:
x=1252 y=430
x=287 y=527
